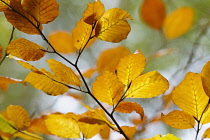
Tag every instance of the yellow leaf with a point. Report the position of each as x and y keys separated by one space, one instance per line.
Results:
x=178 y=119
x=129 y=107
x=1 y=52
x=25 y=50
x=46 y=83
x=5 y=81
x=27 y=135
x=28 y=66
x=206 y=133
x=63 y=126
x=166 y=137
x=153 y=13
x=44 y=11
x=190 y=96
x=205 y=77
x=62 y=41
x=113 y=25
x=81 y=34
x=112 y=58
x=88 y=73
x=105 y=133
x=6 y=126
x=107 y=88
x=24 y=22
x=148 y=85
x=130 y=67
x=129 y=131
x=93 y=12
x=3 y=6
x=64 y=73
x=19 y=116
x=174 y=26
x=206 y=116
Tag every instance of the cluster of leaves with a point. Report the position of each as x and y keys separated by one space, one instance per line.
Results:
x=122 y=78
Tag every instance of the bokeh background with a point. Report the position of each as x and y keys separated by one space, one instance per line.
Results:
x=168 y=56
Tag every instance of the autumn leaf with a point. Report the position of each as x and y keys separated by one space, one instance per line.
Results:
x=205 y=76
x=27 y=135
x=206 y=133
x=28 y=66
x=194 y=99
x=145 y=86
x=93 y=12
x=178 y=119
x=89 y=72
x=107 y=88
x=105 y=133
x=130 y=67
x=129 y=107
x=129 y=131
x=166 y=137
x=3 y=6
x=153 y=13
x=6 y=125
x=66 y=74
x=25 y=49
x=63 y=126
x=62 y=42
x=113 y=25
x=6 y=81
x=81 y=34
x=206 y=116
x=44 y=11
x=21 y=19
x=174 y=26
x=110 y=58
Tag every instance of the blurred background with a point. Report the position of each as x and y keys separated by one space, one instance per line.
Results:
x=173 y=58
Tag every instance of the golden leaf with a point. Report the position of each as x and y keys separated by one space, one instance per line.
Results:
x=166 y=137
x=205 y=76
x=88 y=73
x=112 y=58
x=6 y=125
x=25 y=50
x=21 y=19
x=105 y=133
x=1 y=51
x=107 y=88
x=93 y=12
x=148 y=85
x=113 y=25
x=130 y=67
x=5 y=81
x=63 y=126
x=62 y=41
x=128 y=107
x=44 y=11
x=129 y=131
x=28 y=66
x=206 y=133
x=178 y=119
x=27 y=136
x=48 y=84
x=19 y=116
x=206 y=116
x=81 y=34
x=153 y=13
x=64 y=73
x=193 y=98
x=3 y=6
x=174 y=25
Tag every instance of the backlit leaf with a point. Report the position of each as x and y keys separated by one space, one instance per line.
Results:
x=105 y=133
x=44 y=11
x=19 y=116
x=206 y=116
x=93 y=12
x=148 y=85
x=194 y=99
x=27 y=136
x=112 y=58
x=174 y=25
x=3 y=6
x=28 y=66
x=206 y=133
x=88 y=73
x=113 y=25
x=129 y=131
x=46 y=83
x=6 y=81
x=129 y=107
x=166 y=137
x=6 y=126
x=178 y=119
x=63 y=126
x=25 y=49
x=205 y=77
x=131 y=67
x=107 y=88
x=81 y=34
x=64 y=73
x=62 y=41
x=25 y=23
x=153 y=13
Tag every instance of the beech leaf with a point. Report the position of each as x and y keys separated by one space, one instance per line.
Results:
x=25 y=49
x=206 y=133
x=129 y=131
x=113 y=25
x=205 y=77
